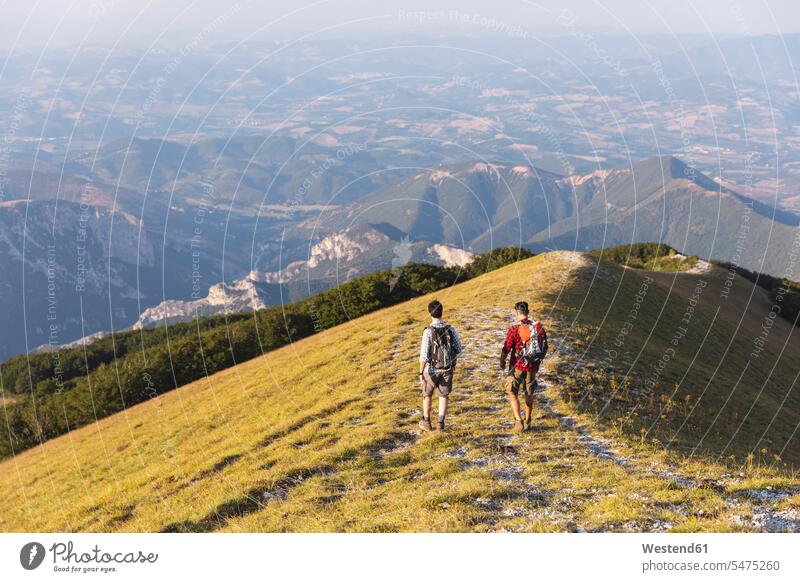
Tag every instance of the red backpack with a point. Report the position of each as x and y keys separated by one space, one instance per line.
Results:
x=530 y=350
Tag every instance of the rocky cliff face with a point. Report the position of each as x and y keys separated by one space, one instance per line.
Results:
x=341 y=249
x=69 y=271
x=364 y=248
x=335 y=258
x=245 y=294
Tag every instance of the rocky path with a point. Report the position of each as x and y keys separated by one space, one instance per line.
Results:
x=559 y=475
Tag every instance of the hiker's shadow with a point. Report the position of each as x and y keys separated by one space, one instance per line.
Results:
x=505 y=438
x=539 y=428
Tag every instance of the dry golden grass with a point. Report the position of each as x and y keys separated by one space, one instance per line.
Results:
x=322 y=436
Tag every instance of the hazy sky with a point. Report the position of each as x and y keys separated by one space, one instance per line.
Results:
x=32 y=24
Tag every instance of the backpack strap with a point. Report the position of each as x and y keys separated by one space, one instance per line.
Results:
x=452 y=338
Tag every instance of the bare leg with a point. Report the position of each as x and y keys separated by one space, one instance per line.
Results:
x=514 y=401
x=426 y=406
x=442 y=406
x=529 y=407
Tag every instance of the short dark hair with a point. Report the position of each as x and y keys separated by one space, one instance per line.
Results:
x=435 y=308
x=522 y=307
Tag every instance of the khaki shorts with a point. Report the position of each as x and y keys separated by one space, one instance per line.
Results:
x=441 y=381
x=520 y=380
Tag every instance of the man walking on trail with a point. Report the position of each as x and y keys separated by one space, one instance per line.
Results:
x=526 y=341
x=437 y=362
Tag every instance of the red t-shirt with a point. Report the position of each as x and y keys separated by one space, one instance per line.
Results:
x=513 y=344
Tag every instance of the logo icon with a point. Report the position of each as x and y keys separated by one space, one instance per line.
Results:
x=31 y=555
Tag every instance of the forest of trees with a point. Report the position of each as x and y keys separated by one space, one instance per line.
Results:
x=49 y=394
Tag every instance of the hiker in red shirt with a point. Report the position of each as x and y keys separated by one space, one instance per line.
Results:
x=526 y=341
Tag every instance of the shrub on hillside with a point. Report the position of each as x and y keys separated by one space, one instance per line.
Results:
x=649 y=256
x=495 y=259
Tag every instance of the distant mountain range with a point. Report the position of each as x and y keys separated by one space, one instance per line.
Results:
x=69 y=271
x=481 y=205
x=74 y=268
x=99 y=257
x=246 y=172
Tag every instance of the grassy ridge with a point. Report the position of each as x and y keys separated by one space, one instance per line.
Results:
x=319 y=435
x=678 y=358
x=784 y=293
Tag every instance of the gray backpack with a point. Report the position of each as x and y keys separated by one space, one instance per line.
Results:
x=442 y=351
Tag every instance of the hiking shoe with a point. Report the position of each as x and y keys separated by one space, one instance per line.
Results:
x=518 y=426
x=425 y=425
x=440 y=426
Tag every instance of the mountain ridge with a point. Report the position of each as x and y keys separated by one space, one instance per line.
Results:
x=479 y=205
x=472 y=206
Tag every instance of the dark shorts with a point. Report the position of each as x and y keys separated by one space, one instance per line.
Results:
x=442 y=382
x=520 y=380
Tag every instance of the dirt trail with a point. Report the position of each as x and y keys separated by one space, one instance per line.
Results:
x=479 y=401
x=547 y=467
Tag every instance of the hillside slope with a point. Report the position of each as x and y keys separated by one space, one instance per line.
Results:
x=666 y=200
x=321 y=435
